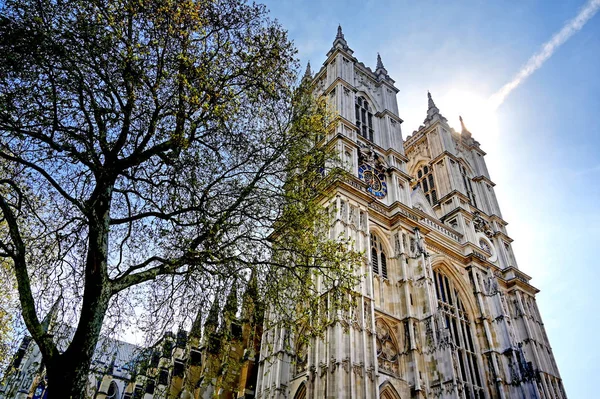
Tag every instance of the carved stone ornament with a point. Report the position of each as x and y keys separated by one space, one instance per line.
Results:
x=371 y=372
x=322 y=369
x=368 y=156
x=420 y=242
x=333 y=364
x=387 y=351
x=312 y=372
x=346 y=364
x=481 y=225
x=358 y=368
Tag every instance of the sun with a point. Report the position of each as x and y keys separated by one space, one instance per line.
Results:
x=477 y=112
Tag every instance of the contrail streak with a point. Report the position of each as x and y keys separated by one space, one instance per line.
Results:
x=546 y=51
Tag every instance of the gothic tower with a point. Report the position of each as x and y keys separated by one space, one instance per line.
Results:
x=443 y=310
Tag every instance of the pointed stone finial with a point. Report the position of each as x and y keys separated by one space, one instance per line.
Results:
x=340 y=34
x=379 y=63
x=464 y=131
x=50 y=318
x=308 y=72
x=231 y=304
x=432 y=110
x=380 y=70
x=196 y=330
x=339 y=39
x=430 y=103
x=212 y=321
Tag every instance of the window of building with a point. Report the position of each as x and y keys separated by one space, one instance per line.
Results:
x=378 y=258
x=468 y=186
x=484 y=245
x=364 y=118
x=458 y=324
x=426 y=181
x=113 y=391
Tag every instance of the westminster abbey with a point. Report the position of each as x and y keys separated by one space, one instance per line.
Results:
x=443 y=309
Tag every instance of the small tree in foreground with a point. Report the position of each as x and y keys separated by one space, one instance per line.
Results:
x=152 y=154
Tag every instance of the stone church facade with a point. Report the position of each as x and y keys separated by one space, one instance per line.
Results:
x=443 y=310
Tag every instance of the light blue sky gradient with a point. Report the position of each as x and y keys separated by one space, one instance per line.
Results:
x=542 y=143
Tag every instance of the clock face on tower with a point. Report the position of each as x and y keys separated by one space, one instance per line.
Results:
x=375 y=180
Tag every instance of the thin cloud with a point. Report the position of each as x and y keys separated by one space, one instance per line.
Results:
x=537 y=60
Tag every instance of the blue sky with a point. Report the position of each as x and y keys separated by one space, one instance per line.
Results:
x=542 y=142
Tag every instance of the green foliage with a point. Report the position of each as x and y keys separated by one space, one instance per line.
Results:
x=164 y=152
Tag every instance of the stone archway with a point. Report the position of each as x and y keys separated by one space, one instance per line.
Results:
x=387 y=391
x=301 y=392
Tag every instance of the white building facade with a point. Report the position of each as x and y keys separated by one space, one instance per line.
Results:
x=443 y=309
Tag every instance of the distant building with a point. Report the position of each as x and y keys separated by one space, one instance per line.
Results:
x=219 y=357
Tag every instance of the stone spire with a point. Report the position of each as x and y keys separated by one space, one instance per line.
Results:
x=464 y=129
x=379 y=63
x=196 y=331
x=340 y=42
x=432 y=110
x=231 y=304
x=212 y=321
x=380 y=70
x=340 y=35
x=308 y=72
x=51 y=316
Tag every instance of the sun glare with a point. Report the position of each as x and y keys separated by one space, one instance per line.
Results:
x=477 y=112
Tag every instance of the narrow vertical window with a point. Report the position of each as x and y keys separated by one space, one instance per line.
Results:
x=378 y=257
x=458 y=325
x=426 y=181
x=468 y=186
x=364 y=118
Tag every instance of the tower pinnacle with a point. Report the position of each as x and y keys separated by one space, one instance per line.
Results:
x=308 y=72
x=340 y=41
x=432 y=109
x=339 y=35
x=464 y=131
x=379 y=63
x=380 y=70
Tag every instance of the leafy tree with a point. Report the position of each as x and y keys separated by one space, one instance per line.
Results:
x=151 y=154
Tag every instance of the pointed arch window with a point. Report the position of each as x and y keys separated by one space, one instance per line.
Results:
x=378 y=258
x=426 y=181
x=457 y=322
x=468 y=186
x=364 y=118
x=301 y=392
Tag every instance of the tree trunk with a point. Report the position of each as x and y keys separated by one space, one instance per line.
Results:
x=68 y=372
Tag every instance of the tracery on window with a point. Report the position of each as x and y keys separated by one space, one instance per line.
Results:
x=468 y=186
x=301 y=392
x=378 y=257
x=457 y=322
x=484 y=245
x=364 y=118
x=387 y=351
x=426 y=181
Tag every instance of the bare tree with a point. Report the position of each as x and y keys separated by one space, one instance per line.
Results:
x=152 y=148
